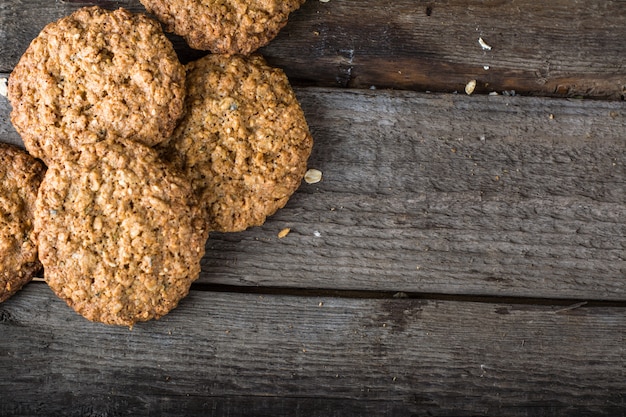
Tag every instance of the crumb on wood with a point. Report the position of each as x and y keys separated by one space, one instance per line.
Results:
x=3 y=87
x=470 y=86
x=313 y=176
x=284 y=232
x=484 y=44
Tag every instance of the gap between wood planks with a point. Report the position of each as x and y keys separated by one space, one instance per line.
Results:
x=567 y=304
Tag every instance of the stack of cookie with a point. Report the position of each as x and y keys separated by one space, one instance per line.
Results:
x=120 y=233
x=145 y=157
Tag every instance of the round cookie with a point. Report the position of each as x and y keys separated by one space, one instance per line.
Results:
x=120 y=236
x=20 y=176
x=93 y=75
x=244 y=141
x=224 y=26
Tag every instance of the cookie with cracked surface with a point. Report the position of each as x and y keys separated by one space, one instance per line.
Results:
x=119 y=236
x=244 y=141
x=224 y=26
x=93 y=75
x=20 y=176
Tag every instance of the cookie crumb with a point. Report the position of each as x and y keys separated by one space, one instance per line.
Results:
x=484 y=45
x=313 y=176
x=3 y=87
x=284 y=232
x=469 y=87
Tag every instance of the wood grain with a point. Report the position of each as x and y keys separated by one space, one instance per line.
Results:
x=447 y=194
x=566 y=48
x=480 y=195
x=234 y=354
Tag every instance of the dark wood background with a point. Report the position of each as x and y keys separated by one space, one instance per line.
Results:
x=463 y=255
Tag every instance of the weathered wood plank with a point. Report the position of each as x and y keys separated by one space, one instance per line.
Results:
x=450 y=194
x=561 y=48
x=241 y=354
x=565 y=48
x=446 y=194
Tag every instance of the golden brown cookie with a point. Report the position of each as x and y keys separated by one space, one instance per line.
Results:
x=93 y=75
x=20 y=176
x=244 y=141
x=224 y=26
x=120 y=236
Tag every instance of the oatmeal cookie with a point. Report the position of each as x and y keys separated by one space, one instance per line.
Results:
x=119 y=236
x=224 y=26
x=20 y=176
x=244 y=141
x=93 y=75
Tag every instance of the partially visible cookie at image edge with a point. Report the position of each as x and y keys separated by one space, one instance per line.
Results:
x=244 y=141
x=20 y=177
x=224 y=26
x=120 y=236
x=93 y=75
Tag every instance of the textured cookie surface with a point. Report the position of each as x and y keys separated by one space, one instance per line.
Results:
x=119 y=236
x=243 y=142
x=93 y=75
x=20 y=176
x=224 y=26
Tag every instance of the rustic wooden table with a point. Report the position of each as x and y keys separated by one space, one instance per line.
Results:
x=463 y=255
